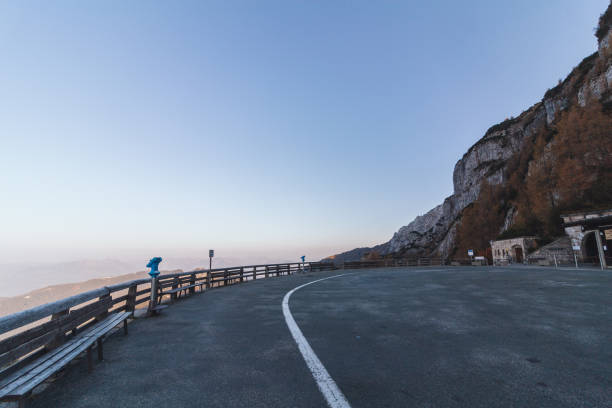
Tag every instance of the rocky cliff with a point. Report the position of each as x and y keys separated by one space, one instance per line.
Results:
x=434 y=233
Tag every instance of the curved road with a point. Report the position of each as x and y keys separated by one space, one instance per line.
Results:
x=462 y=337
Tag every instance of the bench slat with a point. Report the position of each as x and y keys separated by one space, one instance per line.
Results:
x=75 y=317
x=46 y=360
x=21 y=382
x=88 y=340
x=60 y=349
x=178 y=289
x=24 y=349
x=35 y=377
x=24 y=343
x=111 y=321
x=23 y=370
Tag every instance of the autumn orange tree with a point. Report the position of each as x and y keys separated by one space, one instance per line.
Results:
x=564 y=168
x=481 y=221
x=583 y=148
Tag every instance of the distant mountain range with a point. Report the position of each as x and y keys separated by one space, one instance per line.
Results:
x=37 y=297
x=17 y=279
x=26 y=286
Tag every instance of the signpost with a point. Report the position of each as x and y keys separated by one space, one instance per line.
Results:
x=471 y=254
x=303 y=265
x=575 y=249
x=211 y=254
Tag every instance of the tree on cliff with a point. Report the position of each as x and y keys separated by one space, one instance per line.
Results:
x=481 y=221
x=564 y=168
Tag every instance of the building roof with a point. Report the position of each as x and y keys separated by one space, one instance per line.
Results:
x=510 y=239
x=585 y=213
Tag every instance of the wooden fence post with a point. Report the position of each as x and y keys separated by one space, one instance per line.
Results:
x=59 y=339
x=175 y=285
x=267 y=270
x=241 y=274
x=130 y=303
x=254 y=272
x=105 y=313
x=208 y=280
x=192 y=283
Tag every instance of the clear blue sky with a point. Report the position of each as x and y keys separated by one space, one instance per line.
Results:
x=148 y=128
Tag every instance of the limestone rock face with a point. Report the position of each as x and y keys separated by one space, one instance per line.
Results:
x=420 y=233
x=433 y=234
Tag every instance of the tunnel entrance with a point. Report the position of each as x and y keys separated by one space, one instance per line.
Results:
x=518 y=254
x=591 y=254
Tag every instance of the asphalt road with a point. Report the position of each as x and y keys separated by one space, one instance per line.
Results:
x=401 y=337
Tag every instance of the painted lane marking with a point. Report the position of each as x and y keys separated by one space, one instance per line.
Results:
x=335 y=398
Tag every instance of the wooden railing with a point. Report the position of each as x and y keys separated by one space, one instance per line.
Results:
x=27 y=335
x=390 y=263
x=129 y=295
x=227 y=276
x=135 y=294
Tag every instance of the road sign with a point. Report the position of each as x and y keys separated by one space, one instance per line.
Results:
x=608 y=234
x=576 y=247
x=470 y=252
x=211 y=253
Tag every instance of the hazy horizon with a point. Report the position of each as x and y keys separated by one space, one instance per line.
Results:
x=23 y=277
x=265 y=130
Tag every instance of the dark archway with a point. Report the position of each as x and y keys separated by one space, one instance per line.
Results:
x=518 y=254
x=589 y=248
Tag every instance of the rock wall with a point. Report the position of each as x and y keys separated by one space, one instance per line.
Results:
x=433 y=234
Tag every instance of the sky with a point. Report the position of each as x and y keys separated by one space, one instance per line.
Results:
x=262 y=129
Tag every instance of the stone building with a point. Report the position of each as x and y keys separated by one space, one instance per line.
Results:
x=512 y=250
x=558 y=251
x=590 y=233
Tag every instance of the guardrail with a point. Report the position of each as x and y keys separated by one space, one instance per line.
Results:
x=568 y=261
x=390 y=263
x=395 y=262
x=19 y=337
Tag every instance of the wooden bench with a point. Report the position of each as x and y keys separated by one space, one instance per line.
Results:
x=30 y=357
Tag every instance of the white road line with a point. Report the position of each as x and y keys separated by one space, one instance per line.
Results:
x=335 y=398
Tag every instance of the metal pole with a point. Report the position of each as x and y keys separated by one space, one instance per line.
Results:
x=555 y=258
x=575 y=260
x=153 y=301
x=600 y=251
